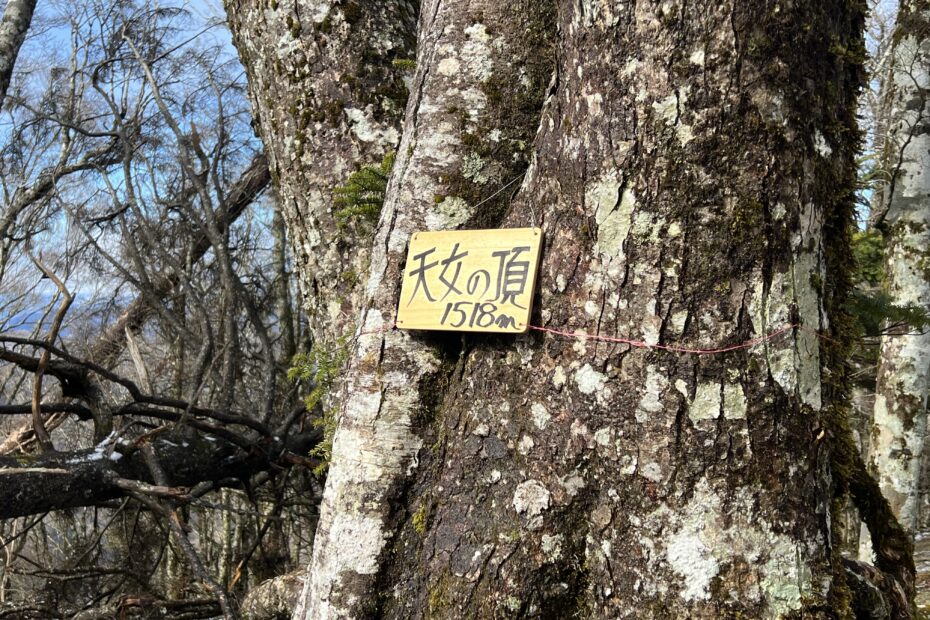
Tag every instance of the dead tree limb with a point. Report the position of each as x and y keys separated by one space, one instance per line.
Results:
x=60 y=480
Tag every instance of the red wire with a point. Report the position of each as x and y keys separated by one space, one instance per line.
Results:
x=645 y=345
x=639 y=343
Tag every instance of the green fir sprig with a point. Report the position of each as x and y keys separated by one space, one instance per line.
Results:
x=362 y=196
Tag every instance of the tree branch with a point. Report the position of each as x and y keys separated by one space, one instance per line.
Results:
x=38 y=427
x=58 y=480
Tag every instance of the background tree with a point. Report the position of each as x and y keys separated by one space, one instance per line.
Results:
x=900 y=411
x=326 y=82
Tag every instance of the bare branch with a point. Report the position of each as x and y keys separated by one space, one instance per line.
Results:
x=38 y=426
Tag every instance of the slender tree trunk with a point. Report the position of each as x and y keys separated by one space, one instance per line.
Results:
x=482 y=70
x=327 y=98
x=877 y=99
x=226 y=539
x=16 y=19
x=900 y=413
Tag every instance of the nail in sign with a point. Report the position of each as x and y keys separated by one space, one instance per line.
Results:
x=470 y=280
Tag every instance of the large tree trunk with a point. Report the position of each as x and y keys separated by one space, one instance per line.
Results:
x=589 y=478
x=689 y=162
x=900 y=413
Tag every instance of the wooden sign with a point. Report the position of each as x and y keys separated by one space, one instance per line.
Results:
x=470 y=280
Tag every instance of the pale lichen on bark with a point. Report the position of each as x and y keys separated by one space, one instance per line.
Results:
x=683 y=172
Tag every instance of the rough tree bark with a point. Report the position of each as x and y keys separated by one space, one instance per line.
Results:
x=327 y=98
x=899 y=421
x=282 y=295
x=645 y=483
x=689 y=159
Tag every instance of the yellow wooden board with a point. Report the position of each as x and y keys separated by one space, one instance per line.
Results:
x=470 y=280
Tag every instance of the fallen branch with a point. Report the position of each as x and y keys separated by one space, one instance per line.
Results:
x=58 y=480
